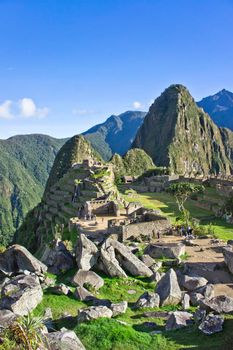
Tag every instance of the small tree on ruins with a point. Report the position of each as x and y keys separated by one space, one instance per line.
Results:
x=182 y=191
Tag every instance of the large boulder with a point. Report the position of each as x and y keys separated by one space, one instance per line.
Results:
x=192 y=282
x=168 y=250
x=16 y=259
x=228 y=257
x=147 y=299
x=108 y=261
x=83 y=294
x=119 y=308
x=82 y=278
x=60 y=289
x=147 y=260
x=57 y=257
x=21 y=294
x=64 y=340
x=86 y=253
x=211 y=324
x=219 y=304
x=94 y=312
x=168 y=289
x=7 y=317
x=129 y=261
x=178 y=319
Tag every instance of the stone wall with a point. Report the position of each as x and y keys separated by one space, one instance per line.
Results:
x=146 y=229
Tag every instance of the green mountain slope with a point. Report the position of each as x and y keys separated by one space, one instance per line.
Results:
x=25 y=163
x=176 y=133
x=116 y=134
x=135 y=163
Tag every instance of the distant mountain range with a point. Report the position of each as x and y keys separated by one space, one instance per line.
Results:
x=220 y=108
x=116 y=134
x=26 y=160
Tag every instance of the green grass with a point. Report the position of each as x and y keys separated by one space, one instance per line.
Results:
x=165 y=202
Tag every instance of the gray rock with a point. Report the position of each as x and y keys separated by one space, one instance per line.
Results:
x=230 y=242
x=219 y=304
x=156 y=266
x=66 y=340
x=110 y=265
x=57 y=257
x=199 y=315
x=168 y=289
x=102 y=302
x=82 y=278
x=147 y=299
x=129 y=261
x=185 y=302
x=207 y=291
x=156 y=314
x=169 y=250
x=195 y=298
x=60 y=289
x=7 y=317
x=228 y=257
x=83 y=294
x=192 y=282
x=178 y=319
x=147 y=260
x=21 y=294
x=17 y=259
x=86 y=253
x=211 y=324
x=156 y=277
x=94 y=312
x=119 y=308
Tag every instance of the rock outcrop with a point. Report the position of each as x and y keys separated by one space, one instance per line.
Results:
x=129 y=261
x=108 y=261
x=64 y=340
x=21 y=294
x=57 y=257
x=82 y=278
x=169 y=250
x=168 y=289
x=86 y=253
x=178 y=319
x=94 y=312
x=17 y=258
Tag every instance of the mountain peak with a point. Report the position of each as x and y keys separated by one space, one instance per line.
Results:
x=179 y=135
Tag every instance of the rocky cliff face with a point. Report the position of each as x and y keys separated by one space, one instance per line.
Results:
x=177 y=134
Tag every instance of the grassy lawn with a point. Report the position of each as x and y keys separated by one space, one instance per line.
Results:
x=165 y=202
x=129 y=331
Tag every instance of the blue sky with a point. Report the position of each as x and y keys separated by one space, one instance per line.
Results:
x=66 y=65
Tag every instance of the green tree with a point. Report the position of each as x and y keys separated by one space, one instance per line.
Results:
x=182 y=191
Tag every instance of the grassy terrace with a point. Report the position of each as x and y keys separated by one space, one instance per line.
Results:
x=165 y=202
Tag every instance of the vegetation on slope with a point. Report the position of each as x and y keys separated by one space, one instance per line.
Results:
x=75 y=150
x=24 y=167
x=135 y=163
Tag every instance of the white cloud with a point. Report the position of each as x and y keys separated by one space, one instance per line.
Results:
x=137 y=105
x=28 y=109
x=5 y=110
x=80 y=111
